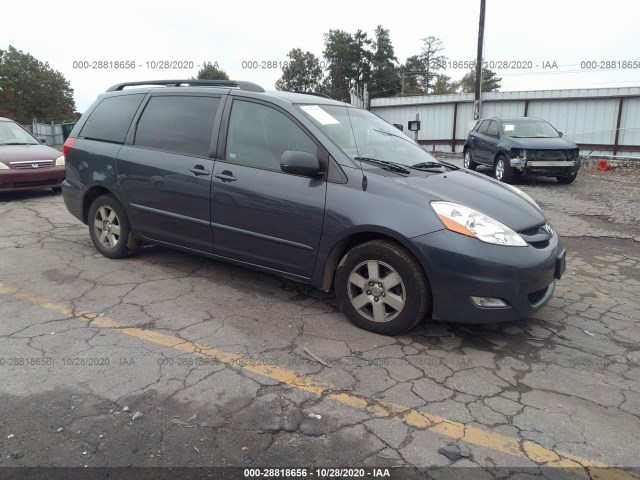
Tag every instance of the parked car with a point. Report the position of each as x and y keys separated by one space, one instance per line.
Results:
x=519 y=146
x=25 y=163
x=311 y=189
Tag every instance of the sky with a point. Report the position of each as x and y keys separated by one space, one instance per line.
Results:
x=237 y=36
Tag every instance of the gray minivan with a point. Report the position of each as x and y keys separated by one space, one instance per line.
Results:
x=311 y=189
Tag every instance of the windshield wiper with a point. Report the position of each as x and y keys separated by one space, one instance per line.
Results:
x=389 y=165
x=17 y=143
x=427 y=165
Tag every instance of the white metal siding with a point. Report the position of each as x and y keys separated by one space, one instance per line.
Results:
x=630 y=122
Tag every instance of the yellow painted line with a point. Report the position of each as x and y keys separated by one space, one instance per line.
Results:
x=379 y=408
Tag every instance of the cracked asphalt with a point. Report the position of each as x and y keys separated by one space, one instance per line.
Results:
x=229 y=367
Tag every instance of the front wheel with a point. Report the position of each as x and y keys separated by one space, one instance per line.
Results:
x=109 y=228
x=381 y=288
x=567 y=179
x=468 y=161
x=503 y=172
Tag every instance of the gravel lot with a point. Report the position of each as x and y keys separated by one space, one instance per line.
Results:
x=169 y=359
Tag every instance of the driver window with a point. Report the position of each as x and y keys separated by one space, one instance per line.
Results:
x=492 y=129
x=258 y=136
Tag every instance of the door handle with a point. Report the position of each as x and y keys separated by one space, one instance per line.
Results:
x=199 y=170
x=226 y=176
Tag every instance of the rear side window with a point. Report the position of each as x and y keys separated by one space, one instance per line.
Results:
x=180 y=124
x=111 y=119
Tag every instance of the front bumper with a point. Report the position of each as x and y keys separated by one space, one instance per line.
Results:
x=459 y=267
x=553 y=168
x=28 y=179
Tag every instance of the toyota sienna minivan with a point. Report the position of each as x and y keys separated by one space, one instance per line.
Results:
x=311 y=189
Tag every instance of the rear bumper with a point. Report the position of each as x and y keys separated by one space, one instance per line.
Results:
x=28 y=179
x=72 y=195
x=459 y=267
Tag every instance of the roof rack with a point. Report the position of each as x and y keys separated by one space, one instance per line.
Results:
x=317 y=94
x=242 y=85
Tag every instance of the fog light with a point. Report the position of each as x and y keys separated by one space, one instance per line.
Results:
x=489 y=302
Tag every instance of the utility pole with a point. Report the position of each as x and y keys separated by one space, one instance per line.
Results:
x=476 y=102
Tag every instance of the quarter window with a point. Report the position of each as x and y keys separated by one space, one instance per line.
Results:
x=111 y=119
x=180 y=124
x=259 y=135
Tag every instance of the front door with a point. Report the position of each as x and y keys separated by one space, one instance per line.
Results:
x=261 y=215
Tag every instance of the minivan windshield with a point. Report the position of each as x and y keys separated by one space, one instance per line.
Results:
x=528 y=128
x=365 y=137
x=13 y=134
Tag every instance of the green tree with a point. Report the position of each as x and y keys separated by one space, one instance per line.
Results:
x=31 y=89
x=348 y=59
x=490 y=81
x=409 y=72
x=210 y=71
x=443 y=85
x=385 y=79
x=302 y=74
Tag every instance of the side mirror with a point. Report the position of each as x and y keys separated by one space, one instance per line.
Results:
x=300 y=163
x=560 y=133
x=42 y=139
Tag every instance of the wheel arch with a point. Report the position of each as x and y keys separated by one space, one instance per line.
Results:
x=344 y=245
x=90 y=195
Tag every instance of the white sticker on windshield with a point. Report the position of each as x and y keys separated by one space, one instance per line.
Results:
x=319 y=114
x=509 y=128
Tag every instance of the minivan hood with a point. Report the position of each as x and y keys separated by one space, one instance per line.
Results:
x=23 y=153
x=481 y=193
x=555 y=143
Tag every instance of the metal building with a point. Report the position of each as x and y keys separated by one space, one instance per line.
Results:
x=602 y=121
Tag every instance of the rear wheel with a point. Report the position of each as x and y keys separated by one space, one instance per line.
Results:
x=109 y=228
x=503 y=170
x=567 y=179
x=381 y=288
x=468 y=161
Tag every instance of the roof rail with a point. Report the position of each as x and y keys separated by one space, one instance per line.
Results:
x=242 y=85
x=317 y=94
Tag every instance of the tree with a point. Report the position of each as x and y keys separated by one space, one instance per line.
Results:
x=431 y=61
x=302 y=74
x=443 y=85
x=348 y=59
x=385 y=79
x=409 y=72
x=31 y=89
x=210 y=71
x=490 y=81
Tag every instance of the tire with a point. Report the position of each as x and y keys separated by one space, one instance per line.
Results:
x=109 y=228
x=503 y=171
x=468 y=160
x=567 y=179
x=399 y=305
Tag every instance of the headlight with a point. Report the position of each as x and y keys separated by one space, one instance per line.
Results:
x=4 y=166
x=524 y=196
x=465 y=220
x=60 y=161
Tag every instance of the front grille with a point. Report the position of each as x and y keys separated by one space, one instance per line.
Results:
x=31 y=164
x=551 y=155
x=535 y=297
x=38 y=183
